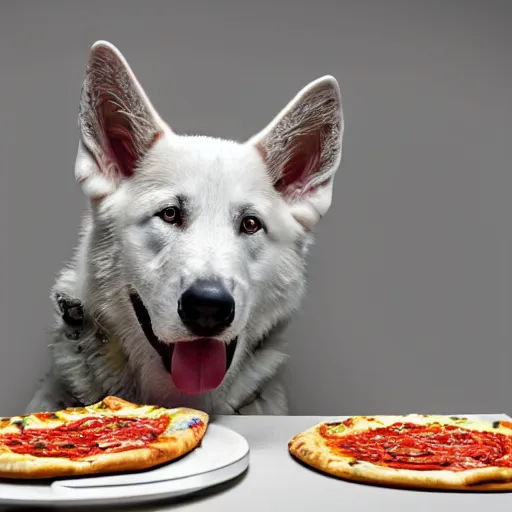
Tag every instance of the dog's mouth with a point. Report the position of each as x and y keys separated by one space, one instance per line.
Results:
x=196 y=366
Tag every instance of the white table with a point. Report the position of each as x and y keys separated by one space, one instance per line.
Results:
x=275 y=481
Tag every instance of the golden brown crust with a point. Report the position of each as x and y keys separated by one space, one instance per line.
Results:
x=115 y=403
x=175 y=442
x=310 y=447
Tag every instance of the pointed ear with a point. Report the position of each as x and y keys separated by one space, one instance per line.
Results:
x=301 y=148
x=117 y=122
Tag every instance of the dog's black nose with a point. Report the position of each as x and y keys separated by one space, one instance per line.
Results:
x=206 y=308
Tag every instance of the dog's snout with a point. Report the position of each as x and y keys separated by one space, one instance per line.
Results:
x=206 y=308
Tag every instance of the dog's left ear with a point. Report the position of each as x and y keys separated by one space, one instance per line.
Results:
x=118 y=124
x=301 y=148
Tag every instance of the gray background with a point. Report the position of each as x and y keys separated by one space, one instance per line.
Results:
x=410 y=281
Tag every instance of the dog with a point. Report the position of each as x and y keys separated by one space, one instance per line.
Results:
x=192 y=254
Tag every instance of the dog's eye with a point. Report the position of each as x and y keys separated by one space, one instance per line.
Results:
x=171 y=215
x=250 y=225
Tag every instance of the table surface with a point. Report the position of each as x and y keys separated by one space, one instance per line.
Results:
x=275 y=481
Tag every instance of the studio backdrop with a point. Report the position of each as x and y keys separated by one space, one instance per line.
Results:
x=410 y=280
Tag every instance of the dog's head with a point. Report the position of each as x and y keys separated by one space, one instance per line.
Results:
x=209 y=236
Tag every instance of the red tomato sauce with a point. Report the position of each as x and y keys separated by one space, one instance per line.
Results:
x=424 y=447
x=86 y=436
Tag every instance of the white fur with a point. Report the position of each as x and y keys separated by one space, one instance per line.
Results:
x=125 y=246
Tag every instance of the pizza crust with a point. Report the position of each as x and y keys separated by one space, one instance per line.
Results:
x=169 y=446
x=133 y=460
x=310 y=448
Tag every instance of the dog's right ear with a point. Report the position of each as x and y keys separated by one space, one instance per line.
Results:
x=118 y=124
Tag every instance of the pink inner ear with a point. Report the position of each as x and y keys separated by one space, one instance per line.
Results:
x=303 y=161
x=123 y=148
x=120 y=138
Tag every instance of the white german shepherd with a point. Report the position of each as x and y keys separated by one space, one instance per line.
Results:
x=192 y=256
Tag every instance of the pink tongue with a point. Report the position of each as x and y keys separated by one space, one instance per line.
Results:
x=198 y=366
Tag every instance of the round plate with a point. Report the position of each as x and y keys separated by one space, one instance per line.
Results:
x=222 y=456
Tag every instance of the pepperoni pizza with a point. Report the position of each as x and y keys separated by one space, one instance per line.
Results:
x=420 y=451
x=110 y=436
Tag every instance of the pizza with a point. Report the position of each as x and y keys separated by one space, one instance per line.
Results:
x=417 y=451
x=109 y=436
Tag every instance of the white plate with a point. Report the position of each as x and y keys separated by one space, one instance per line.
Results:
x=222 y=456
